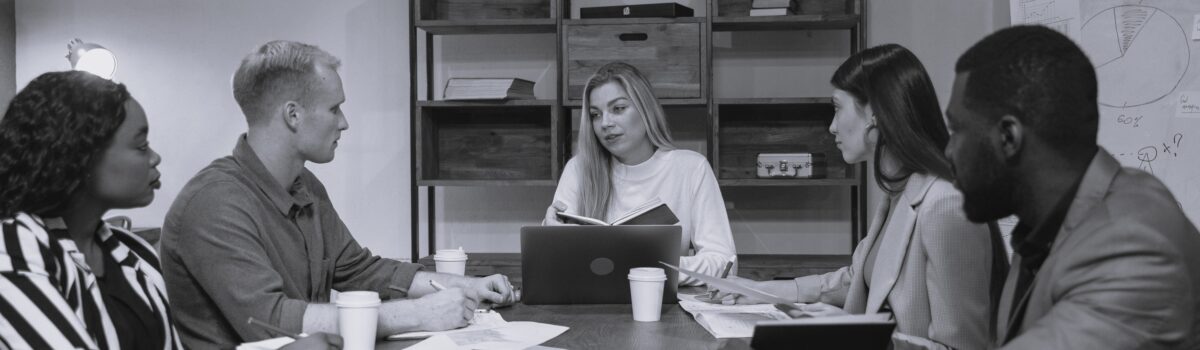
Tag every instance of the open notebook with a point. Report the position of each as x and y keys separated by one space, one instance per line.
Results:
x=654 y=212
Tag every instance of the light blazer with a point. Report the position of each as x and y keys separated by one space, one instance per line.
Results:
x=1123 y=272
x=933 y=268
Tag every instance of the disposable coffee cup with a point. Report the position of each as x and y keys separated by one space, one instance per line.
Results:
x=358 y=313
x=646 y=292
x=451 y=261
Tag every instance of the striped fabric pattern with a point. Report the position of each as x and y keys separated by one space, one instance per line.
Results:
x=49 y=298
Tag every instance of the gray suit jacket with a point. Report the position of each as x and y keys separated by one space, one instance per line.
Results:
x=932 y=268
x=1123 y=273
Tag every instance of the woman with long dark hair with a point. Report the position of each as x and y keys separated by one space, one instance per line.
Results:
x=921 y=257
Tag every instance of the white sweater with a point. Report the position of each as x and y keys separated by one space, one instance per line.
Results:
x=684 y=181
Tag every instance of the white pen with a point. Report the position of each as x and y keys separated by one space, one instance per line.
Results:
x=438 y=286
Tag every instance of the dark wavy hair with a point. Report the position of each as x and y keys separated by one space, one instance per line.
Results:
x=908 y=115
x=51 y=134
x=1039 y=76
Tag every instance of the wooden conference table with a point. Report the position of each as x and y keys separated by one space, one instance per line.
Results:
x=612 y=327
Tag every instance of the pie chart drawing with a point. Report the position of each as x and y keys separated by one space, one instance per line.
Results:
x=1141 y=54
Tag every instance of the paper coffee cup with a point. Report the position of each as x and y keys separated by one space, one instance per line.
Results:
x=358 y=314
x=451 y=261
x=646 y=292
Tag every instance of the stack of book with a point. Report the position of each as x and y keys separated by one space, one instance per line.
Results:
x=773 y=7
x=488 y=89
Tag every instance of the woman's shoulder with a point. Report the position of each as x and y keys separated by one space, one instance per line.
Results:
x=684 y=157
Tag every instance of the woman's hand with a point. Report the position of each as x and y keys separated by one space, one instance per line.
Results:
x=816 y=310
x=552 y=218
x=727 y=297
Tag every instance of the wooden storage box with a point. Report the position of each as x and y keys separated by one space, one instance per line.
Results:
x=669 y=54
x=486 y=143
x=746 y=130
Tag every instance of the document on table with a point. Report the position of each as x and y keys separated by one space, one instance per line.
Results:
x=484 y=319
x=728 y=321
x=508 y=336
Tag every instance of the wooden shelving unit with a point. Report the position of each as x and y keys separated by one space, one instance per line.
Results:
x=527 y=142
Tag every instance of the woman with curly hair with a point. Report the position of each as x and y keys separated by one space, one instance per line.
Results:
x=72 y=147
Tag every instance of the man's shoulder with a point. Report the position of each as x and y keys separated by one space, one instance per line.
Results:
x=1136 y=213
x=222 y=179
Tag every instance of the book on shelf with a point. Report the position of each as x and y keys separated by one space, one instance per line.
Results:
x=779 y=11
x=654 y=212
x=770 y=4
x=488 y=89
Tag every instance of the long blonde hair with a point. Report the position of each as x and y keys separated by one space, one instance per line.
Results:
x=594 y=160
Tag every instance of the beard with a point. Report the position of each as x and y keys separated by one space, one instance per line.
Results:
x=988 y=186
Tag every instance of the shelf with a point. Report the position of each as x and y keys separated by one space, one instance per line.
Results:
x=764 y=23
x=484 y=103
x=486 y=183
x=478 y=145
x=666 y=102
x=774 y=101
x=489 y=26
x=787 y=182
x=651 y=20
x=753 y=266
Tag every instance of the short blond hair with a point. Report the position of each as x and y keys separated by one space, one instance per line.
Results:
x=278 y=71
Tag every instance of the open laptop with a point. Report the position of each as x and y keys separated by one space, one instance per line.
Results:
x=590 y=264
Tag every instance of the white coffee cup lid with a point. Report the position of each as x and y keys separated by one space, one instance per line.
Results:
x=358 y=299
x=450 y=254
x=647 y=274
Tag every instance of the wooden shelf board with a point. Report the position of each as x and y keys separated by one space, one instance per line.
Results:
x=786 y=182
x=485 y=103
x=664 y=102
x=649 y=20
x=773 y=101
x=760 y=23
x=484 y=183
x=756 y=266
x=489 y=26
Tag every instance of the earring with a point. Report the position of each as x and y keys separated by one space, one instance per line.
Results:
x=867 y=138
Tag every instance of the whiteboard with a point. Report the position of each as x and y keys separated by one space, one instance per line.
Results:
x=1147 y=58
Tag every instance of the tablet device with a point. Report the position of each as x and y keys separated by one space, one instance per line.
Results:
x=872 y=331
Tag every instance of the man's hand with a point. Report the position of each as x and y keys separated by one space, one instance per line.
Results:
x=495 y=289
x=448 y=309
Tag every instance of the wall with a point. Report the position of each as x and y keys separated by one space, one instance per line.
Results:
x=8 y=52
x=747 y=64
x=177 y=57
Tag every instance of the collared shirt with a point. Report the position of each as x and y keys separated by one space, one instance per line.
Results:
x=237 y=244
x=50 y=299
x=1033 y=243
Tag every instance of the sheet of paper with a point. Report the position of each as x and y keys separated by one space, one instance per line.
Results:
x=734 y=324
x=510 y=336
x=727 y=286
x=269 y=344
x=1189 y=105
x=437 y=342
x=728 y=321
x=483 y=320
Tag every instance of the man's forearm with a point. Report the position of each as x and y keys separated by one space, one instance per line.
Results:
x=420 y=283
x=397 y=316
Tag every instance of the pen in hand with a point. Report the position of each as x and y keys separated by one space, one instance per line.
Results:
x=712 y=294
x=437 y=286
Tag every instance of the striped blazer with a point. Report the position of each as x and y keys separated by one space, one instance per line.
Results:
x=49 y=298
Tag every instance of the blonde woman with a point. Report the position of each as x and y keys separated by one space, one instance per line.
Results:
x=625 y=158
